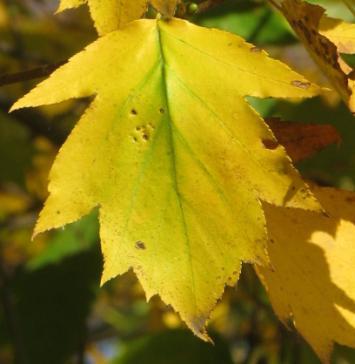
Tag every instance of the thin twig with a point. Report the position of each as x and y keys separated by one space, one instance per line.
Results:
x=261 y=24
x=275 y=4
x=208 y=4
x=38 y=72
x=350 y=7
x=46 y=70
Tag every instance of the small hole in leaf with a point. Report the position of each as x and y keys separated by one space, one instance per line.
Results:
x=270 y=144
x=301 y=84
x=134 y=112
x=140 y=245
x=161 y=110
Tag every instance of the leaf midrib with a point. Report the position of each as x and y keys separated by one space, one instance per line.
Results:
x=165 y=90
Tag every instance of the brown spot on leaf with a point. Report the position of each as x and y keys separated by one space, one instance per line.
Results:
x=301 y=84
x=140 y=245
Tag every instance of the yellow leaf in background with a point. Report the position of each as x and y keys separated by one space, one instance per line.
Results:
x=173 y=156
x=340 y=33
x=165 y=7
x=4 y=16
x=70 y=4
x=305 y=19
x=12 y=202
x=109 y=15
x=37 y=175
x=312 y=281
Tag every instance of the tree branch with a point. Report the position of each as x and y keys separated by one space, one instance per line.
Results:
x=46 y=70
x=350 y=6
x=208 y=4
x=38 y=72
x=275 y=4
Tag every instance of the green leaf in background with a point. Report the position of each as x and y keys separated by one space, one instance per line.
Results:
x=334 y=8
x=15 y=150
x=349 y=59
x=52 y=307
x=73 y=239
x=174 y=347
x=343 y=355
x=253 y=21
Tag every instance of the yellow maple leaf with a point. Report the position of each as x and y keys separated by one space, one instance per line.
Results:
x=305 y=19
x=111 y=15
x=114 y=14
x=173 y=156
x=312 y=281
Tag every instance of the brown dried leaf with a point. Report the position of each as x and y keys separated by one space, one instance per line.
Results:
x=305 y=19
x=301 y=141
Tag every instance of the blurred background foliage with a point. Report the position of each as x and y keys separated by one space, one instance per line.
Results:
x=52 y=309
